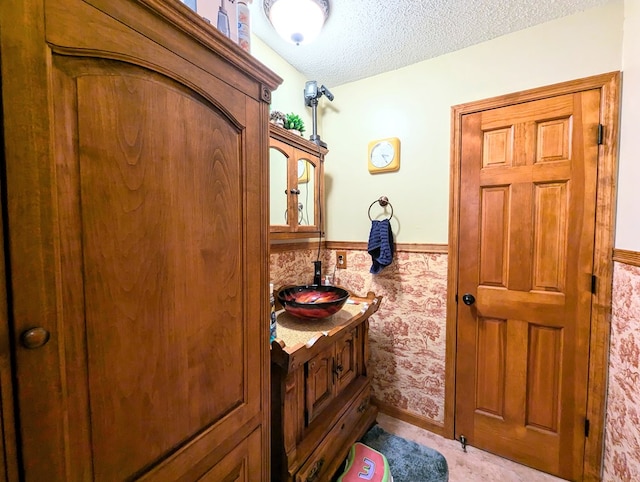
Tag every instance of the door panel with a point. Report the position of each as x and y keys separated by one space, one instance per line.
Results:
x=346 y=361
x=154 y=256
x=494 y=236
x=528 y=184
x=492 y=340
x=320 y=387
x=151 y=280
x=242 y=464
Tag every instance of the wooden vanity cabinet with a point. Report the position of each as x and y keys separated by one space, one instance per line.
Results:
x=320 y=391
x=296 y=185
x=133 y=337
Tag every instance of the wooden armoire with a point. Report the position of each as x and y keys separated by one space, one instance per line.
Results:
x=134 y=338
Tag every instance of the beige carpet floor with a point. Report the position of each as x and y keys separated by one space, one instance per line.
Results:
x=474 y=465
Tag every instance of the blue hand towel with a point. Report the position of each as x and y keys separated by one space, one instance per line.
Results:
x=380 y=245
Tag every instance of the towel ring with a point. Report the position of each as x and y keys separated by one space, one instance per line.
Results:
x=383 y=201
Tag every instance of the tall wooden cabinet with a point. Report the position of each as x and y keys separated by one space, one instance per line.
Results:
x=134 y=339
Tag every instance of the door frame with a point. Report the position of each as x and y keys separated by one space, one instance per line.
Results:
x=609 y=85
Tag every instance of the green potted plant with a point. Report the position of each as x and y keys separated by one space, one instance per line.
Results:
x=293 y=122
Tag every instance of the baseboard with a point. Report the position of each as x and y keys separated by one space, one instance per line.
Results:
x=412 y=418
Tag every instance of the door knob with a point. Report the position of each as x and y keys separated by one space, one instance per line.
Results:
x=35 y=338
x=468 y=299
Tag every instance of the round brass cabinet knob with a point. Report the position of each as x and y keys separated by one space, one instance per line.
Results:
x=35 y=338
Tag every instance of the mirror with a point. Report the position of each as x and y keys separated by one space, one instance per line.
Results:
x=278 y=187
x=306 y=198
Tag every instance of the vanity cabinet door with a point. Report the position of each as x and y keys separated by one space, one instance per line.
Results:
x=329 y=372
x=320 y=387
x=280 y=184
x=346 y=361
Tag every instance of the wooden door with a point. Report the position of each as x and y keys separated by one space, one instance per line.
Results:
x=527 y=197
x=138 y=231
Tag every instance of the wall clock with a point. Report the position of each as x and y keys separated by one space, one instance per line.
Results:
x=384 y=155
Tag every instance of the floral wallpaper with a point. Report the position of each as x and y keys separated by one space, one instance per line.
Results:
x=622 y=428
x=407 y=337
x=407 y=334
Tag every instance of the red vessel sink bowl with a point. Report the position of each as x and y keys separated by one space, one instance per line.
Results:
x=312 y=302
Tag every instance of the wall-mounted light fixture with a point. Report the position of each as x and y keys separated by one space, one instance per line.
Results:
x=297 y=21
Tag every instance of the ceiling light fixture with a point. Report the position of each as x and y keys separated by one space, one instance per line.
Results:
x=297 y=21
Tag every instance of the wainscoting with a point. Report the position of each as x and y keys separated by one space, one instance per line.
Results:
x=622 y=429
x=408 y=336
x=407 y=333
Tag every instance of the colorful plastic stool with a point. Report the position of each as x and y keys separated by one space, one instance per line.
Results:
x=365 y=463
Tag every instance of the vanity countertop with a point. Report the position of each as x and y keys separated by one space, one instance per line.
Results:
x=302 y=336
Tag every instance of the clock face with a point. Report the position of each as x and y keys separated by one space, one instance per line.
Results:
x=301 y=167
x=382 y=154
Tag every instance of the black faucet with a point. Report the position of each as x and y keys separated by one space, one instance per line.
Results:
x=317 y=272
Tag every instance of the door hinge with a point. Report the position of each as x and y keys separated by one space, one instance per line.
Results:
x=594 y=281
x=600 y=134
x=586 y=427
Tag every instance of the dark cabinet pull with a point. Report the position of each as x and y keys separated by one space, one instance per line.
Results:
x=363 y=405
x=295 y=191
x=35 y=338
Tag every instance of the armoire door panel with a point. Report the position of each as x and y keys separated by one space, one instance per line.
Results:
x=242 y=464
x=152 y=175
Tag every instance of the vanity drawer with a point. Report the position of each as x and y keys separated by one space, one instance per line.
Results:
x=331 y=453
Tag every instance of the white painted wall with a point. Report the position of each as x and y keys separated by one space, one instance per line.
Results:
x=628 y=214
x=414 y=104
x=288 y=97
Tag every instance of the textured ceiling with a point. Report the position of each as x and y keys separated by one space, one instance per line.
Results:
x=367 y=37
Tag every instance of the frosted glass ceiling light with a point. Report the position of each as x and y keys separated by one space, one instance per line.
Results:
x=297 y=21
